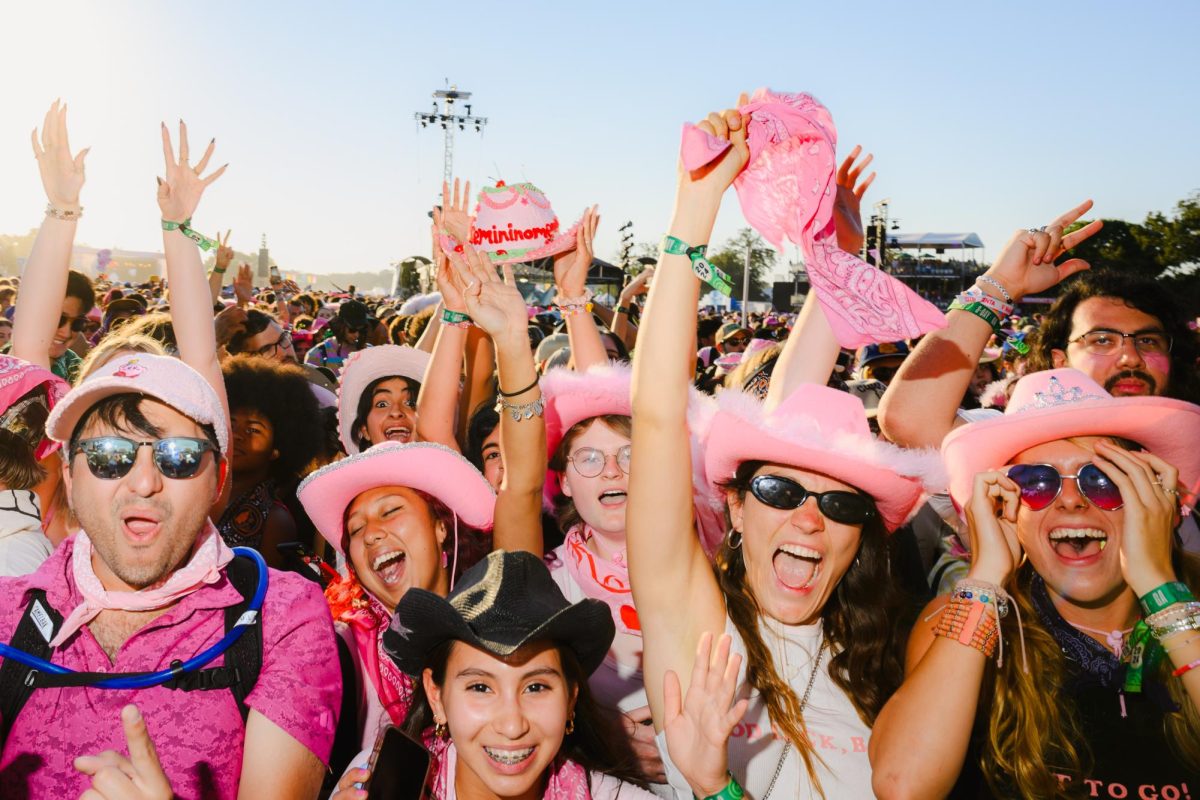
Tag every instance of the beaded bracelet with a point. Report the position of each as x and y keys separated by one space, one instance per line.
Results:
x=982 y=592
x=1175 y=619
x=967 y=622
x=990 y=281
x=66 y=214
x=574 y=305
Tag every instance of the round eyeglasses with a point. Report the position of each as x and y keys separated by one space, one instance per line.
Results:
x=589 y=462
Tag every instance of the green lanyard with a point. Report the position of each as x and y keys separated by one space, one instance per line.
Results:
x=704 y=269
x=185 y=228
x=1144 y=653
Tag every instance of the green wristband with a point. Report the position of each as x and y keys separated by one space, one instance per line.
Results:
x=1166 y=595
x=623 y=310
x=704 y=269
x=454 y=317
x=979 y=310
x=732 y=791
x=185 y=228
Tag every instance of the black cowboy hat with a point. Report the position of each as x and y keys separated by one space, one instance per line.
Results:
x=499 y=605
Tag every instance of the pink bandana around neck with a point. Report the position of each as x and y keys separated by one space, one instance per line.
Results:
x=393 y=687
x=789 y=188
x=601 y=579
x=567 y=780
x=204 y=567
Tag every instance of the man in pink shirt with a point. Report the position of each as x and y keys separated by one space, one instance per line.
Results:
x=145 y=585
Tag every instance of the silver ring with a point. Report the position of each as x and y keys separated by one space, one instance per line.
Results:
x=1037 y=230
x=1171 y=491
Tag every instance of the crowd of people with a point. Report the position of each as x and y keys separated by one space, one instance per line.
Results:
x=247 y=533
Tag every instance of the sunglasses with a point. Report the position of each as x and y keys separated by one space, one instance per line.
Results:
x=78 y=324
x=589 y=462
x=1041 y=484
x=849 y=508
x=736 y=341
x=111 y=457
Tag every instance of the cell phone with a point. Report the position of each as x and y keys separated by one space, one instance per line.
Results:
x=275 y=278
x=399 y=767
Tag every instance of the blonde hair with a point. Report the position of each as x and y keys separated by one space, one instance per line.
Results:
x=112 y=346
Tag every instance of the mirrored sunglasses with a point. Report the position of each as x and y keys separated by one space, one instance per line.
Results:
x=1041 y=484
x=111 y=457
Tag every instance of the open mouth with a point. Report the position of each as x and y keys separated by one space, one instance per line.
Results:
x=613 y=497
x=390 y=566
x=398 y=433
x=797 y=567
x=1074 y=544
x=512 y=760
x=140 y=527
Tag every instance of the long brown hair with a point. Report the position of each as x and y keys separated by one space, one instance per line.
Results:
x=862 y=621
x=1030 y=739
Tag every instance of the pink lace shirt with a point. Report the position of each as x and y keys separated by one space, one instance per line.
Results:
x=199 y=734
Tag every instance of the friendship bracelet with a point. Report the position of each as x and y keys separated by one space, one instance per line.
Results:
x=185 y=228
x=520 y=411
x=455 y=319
x=983 y=592
x=979 y=310
x=990 y=281
x=219 y=270
x=703 y=269
x=66 y=214
x=977 y=295
x=966 y=622
x=732 y=791
x=1186 y=668
x=1166 y=595
x=517 y=393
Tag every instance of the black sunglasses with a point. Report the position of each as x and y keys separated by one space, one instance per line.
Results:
x=78 y=324
x=111 y=457
x=849 y=508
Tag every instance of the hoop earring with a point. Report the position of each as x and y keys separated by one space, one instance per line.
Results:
x=570 y=724
x=441 y=731
x=731 y=542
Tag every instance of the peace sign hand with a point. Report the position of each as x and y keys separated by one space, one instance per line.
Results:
x=1027 y=264
x=62 y=173
x=179 y=193
x=571 y=267
x=224 y=251
x=992 y=527
x=115 y=777
x=495 y=305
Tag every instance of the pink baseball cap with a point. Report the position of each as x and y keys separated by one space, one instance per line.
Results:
x=1061 y=403
x=161 y=377
x=823 y=430
x=427 y=467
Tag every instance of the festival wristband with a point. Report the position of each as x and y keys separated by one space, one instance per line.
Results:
x=1019 y=345
x=623 y=310
x=185 y=228
x=977 y=295
x=456 y=318
x=1186 y=668
x=732 y=791
x=1144 y=654
x=704 y=269
x=1166 y=595
x=979 y=310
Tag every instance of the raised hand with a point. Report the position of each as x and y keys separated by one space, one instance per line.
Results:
x=710 y=181
x=138 y=777
x=243 y=285
x=992 y=525
x=180 y=191
x=1026 y=266
x=571 y=268
x=62 y=174
x=454 y=218
x=847 y=211
x=447 y=278
x=638 y=286
x=1149 y=491
x=224 y=251
x=698 y=726
x=495 y=305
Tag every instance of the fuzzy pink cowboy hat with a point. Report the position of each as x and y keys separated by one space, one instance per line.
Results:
x=1062 y=403
x=515 y=223
x=19 y=377
x=571 y=397
x=366 y=366
x=427 y=467
x=823 y=430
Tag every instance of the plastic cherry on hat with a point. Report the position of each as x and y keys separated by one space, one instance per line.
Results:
x=501 y=252
x=500 y=184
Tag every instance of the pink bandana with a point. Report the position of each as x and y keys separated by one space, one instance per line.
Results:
x=393 y=687
x=602 y=580
x=567 y=780
x=788 y=189
x=204 y=567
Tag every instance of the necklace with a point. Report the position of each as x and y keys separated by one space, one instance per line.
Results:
x=812 y=679
x=1115 y=639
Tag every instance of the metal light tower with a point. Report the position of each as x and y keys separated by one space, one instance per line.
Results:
x=447 y=117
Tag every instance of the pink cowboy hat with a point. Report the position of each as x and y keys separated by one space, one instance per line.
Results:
x=572 y=397
x=19 y=377
x=1061 y=403
x=366 y=366
x=826 y=431
x=515 y=224
x=427 y=467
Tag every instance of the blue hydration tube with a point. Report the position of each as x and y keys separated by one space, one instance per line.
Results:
x=162 y=676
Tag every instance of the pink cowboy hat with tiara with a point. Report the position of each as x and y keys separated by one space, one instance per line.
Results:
x=1062 y=403
x=431 y=468
x=362 y=368
x=515 y=223
x=571 y=397
x=823 y=430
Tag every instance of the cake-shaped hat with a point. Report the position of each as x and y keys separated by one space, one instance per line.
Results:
x=516 y=223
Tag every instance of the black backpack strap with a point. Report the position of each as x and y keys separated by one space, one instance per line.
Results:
x=243 y=659
x=33 y=633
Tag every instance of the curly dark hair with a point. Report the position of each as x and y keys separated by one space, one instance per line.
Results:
x=1149 y=297
x=281 y=393
x=863 y=618
x=256 y=323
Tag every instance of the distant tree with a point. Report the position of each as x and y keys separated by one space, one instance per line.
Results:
x=731 y=258
x=1123 y=246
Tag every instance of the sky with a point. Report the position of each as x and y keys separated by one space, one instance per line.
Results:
x=982 y=117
